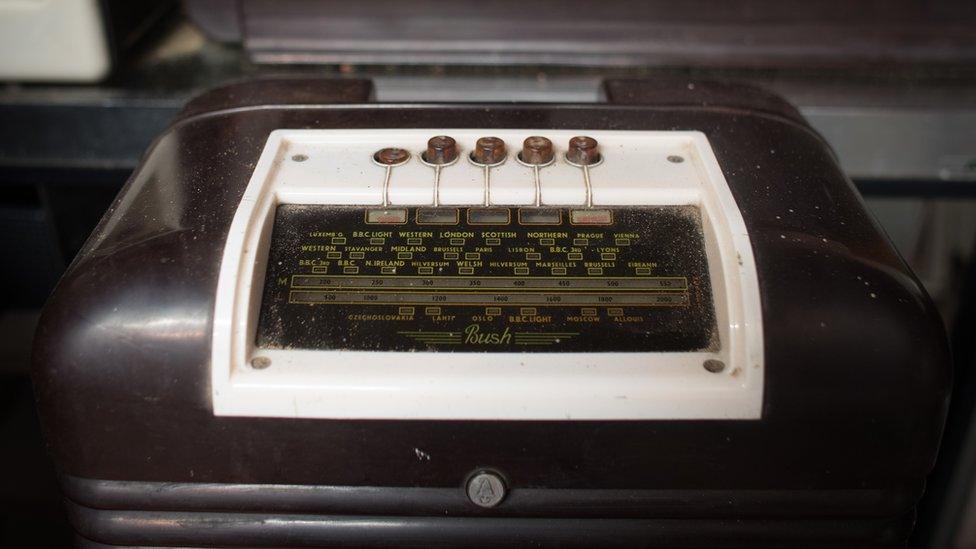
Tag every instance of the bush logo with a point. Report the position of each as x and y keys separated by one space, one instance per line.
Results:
x=474 y=336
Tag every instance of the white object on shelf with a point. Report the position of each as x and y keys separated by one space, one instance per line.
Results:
x=53 y=40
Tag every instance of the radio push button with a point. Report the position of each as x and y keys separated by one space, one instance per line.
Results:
x=489 y=151
x=583 y=151
x=441 y=151
x=536 y=151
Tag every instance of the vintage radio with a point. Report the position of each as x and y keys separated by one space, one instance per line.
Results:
x=662 y=320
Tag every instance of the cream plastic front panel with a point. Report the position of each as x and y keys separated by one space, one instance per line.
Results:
x=639 y=168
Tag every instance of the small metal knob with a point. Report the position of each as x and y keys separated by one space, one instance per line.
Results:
x=391 y=156
x=486 y=489
x=583 y=151
x=536 y=150
x=441 y=150
x=488 y=151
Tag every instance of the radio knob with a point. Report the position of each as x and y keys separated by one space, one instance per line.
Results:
x=583 y=151
x=536 y=150
x=488 y=151
x=441 y=150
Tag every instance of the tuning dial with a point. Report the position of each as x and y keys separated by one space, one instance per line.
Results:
x=441 y=150
x=583 y=151
x=488 y=151
x=536 y=151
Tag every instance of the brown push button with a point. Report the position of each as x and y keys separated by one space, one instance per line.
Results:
x=488 y=151
x=441 y=150
x=536 y=151
x=391 y=156
x=583 y=151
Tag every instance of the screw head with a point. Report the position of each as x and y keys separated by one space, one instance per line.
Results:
x=536 y=150
x=714 y=366
x=391 y=156
x=583 y=151
x=486 y=489
x=260 y=362
x=441 y=150
x=488 y=151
